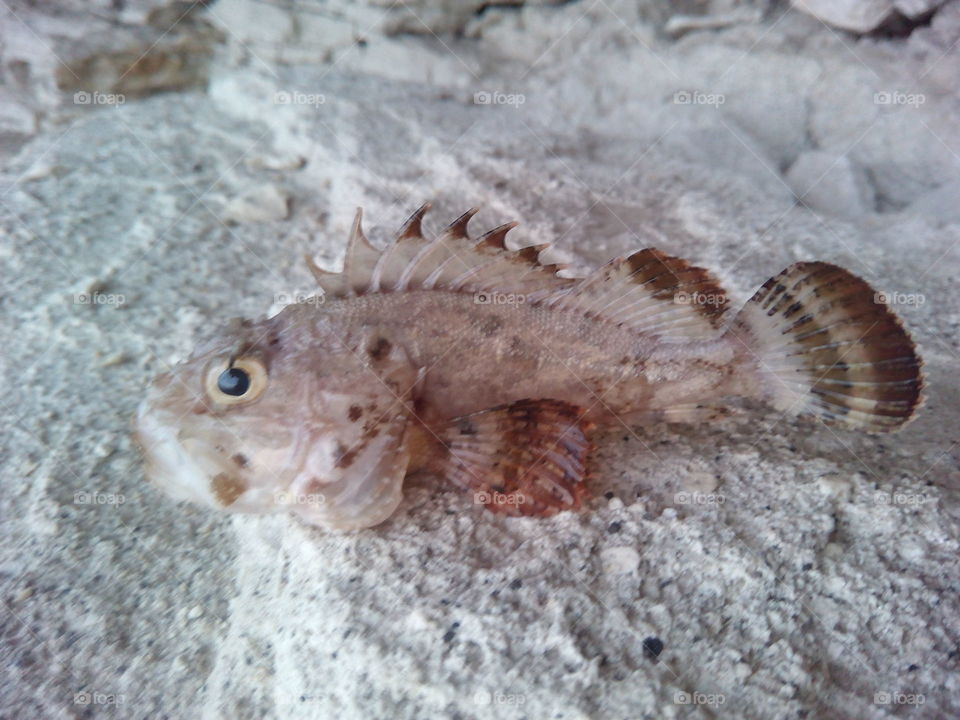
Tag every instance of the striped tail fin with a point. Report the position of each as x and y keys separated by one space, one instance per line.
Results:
x=828 y=346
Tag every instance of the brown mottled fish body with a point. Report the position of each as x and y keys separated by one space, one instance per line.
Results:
x=484 y=365
x=480 y=355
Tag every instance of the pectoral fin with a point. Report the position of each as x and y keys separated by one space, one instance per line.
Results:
x=525 y=458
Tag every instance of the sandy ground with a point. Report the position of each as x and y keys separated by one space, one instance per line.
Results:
x=756 y=568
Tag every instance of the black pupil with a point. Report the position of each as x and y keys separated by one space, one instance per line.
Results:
x=233 y=381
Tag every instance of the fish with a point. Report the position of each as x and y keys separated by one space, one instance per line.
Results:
x=492 y=369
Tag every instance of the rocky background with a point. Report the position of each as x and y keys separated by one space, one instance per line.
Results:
x=165 y=165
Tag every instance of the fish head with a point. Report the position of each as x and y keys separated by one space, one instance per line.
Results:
x=283 y=415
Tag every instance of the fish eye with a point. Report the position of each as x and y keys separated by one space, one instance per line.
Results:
x=236 y=382
x=233 y=381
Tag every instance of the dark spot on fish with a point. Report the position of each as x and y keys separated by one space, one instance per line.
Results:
x=241 y=460
x=346 y=459
x=275 y=341
x=466 y=427
x=227 y=488
x=795 y=308
x=491 y=326
x=314 y=486
x=625 y=360
x=355 y=412
x=380 y=349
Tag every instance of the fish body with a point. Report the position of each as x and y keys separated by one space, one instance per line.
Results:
x=483 y=365
x=480 y=355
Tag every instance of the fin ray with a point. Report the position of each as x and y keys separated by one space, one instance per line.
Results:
x=525 y=458
x=450 y=261
x=846 y=359
x=650 y=292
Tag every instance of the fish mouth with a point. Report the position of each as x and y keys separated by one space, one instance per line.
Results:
x=183 y=469
x=195 y=467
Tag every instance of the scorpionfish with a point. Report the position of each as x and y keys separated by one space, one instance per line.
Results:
x=481 y=364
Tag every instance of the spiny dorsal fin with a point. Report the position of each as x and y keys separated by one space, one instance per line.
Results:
x=458 y=228
x=651 y=292
x=451 y=261
x=413 y=227
x=496 y=238
x=361 y=259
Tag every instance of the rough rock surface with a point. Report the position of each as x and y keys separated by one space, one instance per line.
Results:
x=757 y=568
x=863 y=16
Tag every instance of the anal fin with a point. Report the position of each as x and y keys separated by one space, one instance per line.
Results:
x=525 y=458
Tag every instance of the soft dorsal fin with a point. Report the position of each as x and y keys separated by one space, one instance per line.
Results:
x=651 y=292
x=450 y=261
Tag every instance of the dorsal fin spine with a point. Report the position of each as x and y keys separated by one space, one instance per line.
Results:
x=413 y=227
x=458 y=228
x=496 y=238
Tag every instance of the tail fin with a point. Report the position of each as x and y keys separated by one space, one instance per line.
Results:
x=830 y=347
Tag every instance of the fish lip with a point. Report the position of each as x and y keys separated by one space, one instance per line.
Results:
x=168 y=464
